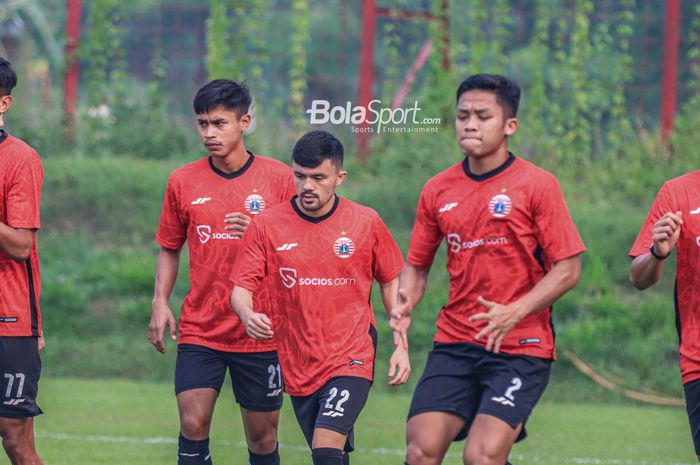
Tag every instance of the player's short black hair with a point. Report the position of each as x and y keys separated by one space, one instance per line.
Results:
x=314 y=147
x=8 y=78
x=507 y=92
x=223 y=93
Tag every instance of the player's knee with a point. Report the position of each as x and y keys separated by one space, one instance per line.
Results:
x=474 y=456
x=17 y=449
x=194 y=427
x=263 y=442
x=416 y=454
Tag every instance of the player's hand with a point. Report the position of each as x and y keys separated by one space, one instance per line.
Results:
x=161 y=317
x=399 y=366
x=258 y=326
x=41 y=343
x=500 y=319
x=237 y=223
x=666 y=232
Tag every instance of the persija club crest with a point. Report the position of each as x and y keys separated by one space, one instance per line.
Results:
x=500 y=205
x=254 y=204
x=344 y=247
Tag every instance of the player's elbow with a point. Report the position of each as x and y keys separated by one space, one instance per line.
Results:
x=20 y=252
x=638 y=282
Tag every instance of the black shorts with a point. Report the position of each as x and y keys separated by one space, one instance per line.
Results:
x=255 y=377
x=466 y=380
x=20 y=369
x=692 y=405
x=335 y=406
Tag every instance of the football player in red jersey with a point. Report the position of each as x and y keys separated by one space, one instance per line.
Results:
x=512 y=250
x=21 y=336
x=673 y=223
x=322 y=253
x=209 y=204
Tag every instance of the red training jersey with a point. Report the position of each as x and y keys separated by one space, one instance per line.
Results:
x=321 y=273
x=504 y=229
x=21 y=178
x=681 y=194
x=197 y=199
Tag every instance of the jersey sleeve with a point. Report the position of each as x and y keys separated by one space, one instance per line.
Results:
x=555 y=230
x=24 y=195
x=662 y=205
x=172 y=230
x=426 y=235
x=387 y=261
x=251 y=262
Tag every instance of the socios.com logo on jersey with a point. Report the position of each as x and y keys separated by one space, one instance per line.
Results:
x=204 y=233
x=290 y=279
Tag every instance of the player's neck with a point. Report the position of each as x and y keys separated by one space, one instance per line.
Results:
x=484 y=164
x=232 y=162
x=316 y=213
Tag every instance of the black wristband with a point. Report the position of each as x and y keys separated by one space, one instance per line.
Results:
x=657 y=256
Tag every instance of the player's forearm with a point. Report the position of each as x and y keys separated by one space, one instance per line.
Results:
x=242 y=302
x=413 y=281
x=563 y=277
x=389 y=291
x=16 y=243
x=167 y=267
x=646 y=271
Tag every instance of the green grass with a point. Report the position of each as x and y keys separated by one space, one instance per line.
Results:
x=125 y=422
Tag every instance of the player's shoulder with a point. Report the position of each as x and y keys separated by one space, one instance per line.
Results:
x=274 y=164
x=19 y=151
x=682 y=182
x=447 y=175
x=536 y=175
x=278 y=213
x=190 y=169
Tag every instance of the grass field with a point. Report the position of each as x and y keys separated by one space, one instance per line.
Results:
x=125 y=422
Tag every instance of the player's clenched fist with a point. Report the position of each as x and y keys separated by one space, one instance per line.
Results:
x=666 y=232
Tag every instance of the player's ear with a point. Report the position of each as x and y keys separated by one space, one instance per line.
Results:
x=341 y=177
x=5 y=103
x=245 y=121
x=511 y=126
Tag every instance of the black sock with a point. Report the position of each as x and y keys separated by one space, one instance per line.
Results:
x=193 y=452
x=273 y=458
x=327 y=456
x=346 y=458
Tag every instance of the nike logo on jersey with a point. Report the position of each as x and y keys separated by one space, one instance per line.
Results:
x=696 y=211
x=447 y=207
x=287 y=246
x=201 y=200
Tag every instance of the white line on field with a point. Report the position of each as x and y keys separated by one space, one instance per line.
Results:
x=374 y=451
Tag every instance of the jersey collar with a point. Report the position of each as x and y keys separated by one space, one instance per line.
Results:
x=314 y=219
x=3 y=136
x=236 y=173
x=488 y=174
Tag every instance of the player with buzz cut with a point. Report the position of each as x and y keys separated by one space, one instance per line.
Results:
x=673 y=223
x=512 y=250
x=322 y=253
x=21 y=336
x=209 y=204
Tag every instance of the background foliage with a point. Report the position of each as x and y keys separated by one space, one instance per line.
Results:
x=583 y=117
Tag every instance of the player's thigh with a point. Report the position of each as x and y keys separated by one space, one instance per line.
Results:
x=490 y=440
x=256 y=380
x=20 y=370
x=513 y=386
x=198 y=367
x=429 y=435
x=448 y=387
x=692 y=405
x=334 y=408
x=260 y=425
